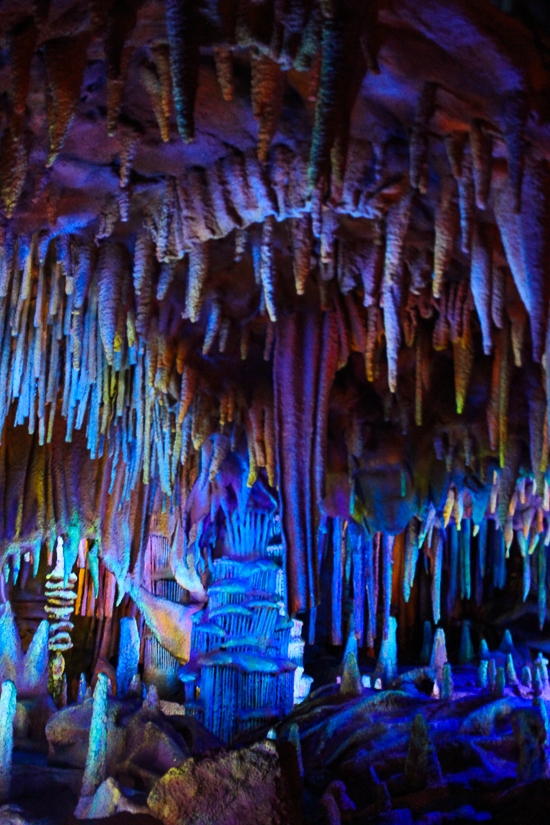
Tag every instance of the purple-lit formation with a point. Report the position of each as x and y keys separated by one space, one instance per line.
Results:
x=274 y=411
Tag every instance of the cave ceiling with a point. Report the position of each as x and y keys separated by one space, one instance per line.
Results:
x=296 y=251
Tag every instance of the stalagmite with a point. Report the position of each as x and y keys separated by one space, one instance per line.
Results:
x=526 y=676
x=439 y=653
x=491 y=673
x=466 y=653
x=94 y=772
x=510 y=671
x=351 y=684
x=482 y=680
x=447 y=683
x=499 y=685
x=507 y=645
x=484 y=652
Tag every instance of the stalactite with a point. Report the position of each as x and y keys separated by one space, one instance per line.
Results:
x=481 y=148
x=515 y=110
x=267 y=273
x=497 y=296
x=419 y=137
x=329 y=356
x=420 y=361
x=198 y=270
x=447 y=222
x=534 y=220
x=156 y=79
x=270 y=441
x=411 y=558
x=466 y=202
x=509 y=227
x=388 y=542
x=184 y=60
x=302 y=241
x=129 y=142
x=13 y=167
x=295 y=394
x=454 y=147
x=463 y=351
x=371 y=266
x=369 y=584
x=397 y=225
x=437 y=541
x=537 y=418
x=268 y=86
x=337 y=584
x=112 y=270
x=332 y=61
x=224 y=72
x=541 y=582
x=214 y=322
x=64 y=85
x=480 y=281
x=22 y=40
x=497 y=409
x=143 y=274
x=465 y=566
x=526 y=570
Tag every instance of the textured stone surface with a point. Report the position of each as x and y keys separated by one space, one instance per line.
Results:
x=241 y=787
